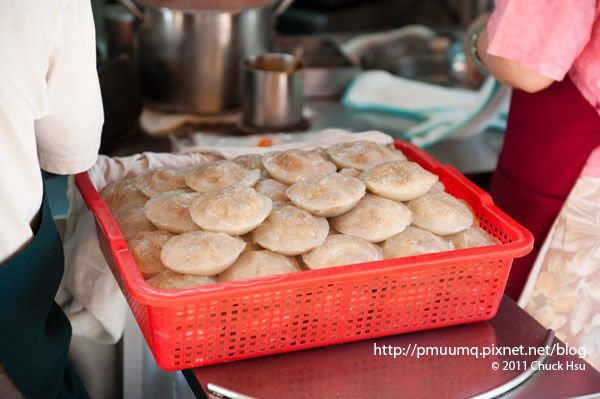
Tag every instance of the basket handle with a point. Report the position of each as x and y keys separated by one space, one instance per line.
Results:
x=485 y=197
x=431 y=163
x=416 y=152
x=523 y=244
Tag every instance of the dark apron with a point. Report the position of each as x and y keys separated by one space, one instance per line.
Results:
x=549 y=137
x=34 y=332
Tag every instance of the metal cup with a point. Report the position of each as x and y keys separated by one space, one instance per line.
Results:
x=272 y=91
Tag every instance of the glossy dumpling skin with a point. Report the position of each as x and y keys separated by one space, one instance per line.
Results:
x=362 y=154
x=340 y=249
x=171 y=211
x=351 y=172
x=399 y=180
x=292 y=165
x=126 y=203
x=472 y=237
x=217 y=175
x=374 y=219
x=145 y=249
x=440 y=213
x=327 y=195
x=273 y=189
x=252 y=161
x=414 y=241
x=132 y=220
x=161 y=180
x=123 y=193
x=261 y=263
x=236 y=210
x=291 y=231
x=170 y=280
x=201 y=253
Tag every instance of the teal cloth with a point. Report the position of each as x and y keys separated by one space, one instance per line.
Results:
x=34 y=332
x=441 y=112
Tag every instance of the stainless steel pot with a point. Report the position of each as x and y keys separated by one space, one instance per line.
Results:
x=189 y=51
x=119 y=30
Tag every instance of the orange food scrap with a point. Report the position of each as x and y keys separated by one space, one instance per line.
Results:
x=264 y=142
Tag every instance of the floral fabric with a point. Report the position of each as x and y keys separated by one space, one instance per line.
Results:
x=563 y=290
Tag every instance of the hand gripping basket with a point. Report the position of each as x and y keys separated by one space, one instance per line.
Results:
x=243 y=319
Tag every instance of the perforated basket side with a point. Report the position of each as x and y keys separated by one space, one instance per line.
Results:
x=266 y=321
x=139 y=310
x=432 y=297
x=261 y=322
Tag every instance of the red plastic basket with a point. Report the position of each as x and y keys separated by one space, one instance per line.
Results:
x=243 y=319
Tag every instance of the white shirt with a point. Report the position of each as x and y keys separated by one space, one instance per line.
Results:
x=50 y=105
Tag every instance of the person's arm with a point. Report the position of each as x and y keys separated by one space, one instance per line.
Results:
x=68 y=136
x=529 y=45
x=510 y=72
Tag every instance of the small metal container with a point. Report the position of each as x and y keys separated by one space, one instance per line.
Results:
x=272 y=91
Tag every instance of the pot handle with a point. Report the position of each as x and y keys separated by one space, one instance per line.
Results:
x=281 y=7
x=134 y=9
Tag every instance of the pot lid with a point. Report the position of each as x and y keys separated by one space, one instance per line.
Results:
x=206 y=4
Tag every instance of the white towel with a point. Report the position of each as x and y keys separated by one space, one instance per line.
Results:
x=231 y=146
x=442 y=111
x=89 y=293
x=160 y=123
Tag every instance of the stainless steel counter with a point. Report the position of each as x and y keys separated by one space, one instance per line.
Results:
x=475 y=154
x=352 y=370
